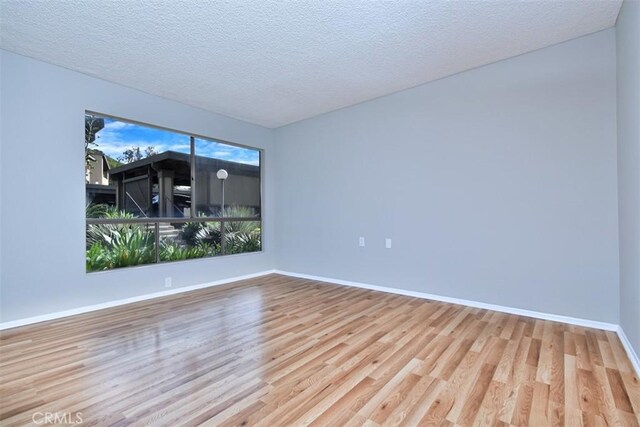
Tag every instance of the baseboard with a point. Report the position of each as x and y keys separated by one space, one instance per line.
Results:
x=87 y=309
x=518 y=311
x=635 y=360
x=633 y=356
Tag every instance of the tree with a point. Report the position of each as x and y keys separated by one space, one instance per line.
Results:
x=113 y=163
x=134 y=154
x=92 y=125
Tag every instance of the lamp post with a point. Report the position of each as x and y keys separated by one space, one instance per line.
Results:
x=222 y=175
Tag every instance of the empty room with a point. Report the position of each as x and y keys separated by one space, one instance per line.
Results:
x=327 y=213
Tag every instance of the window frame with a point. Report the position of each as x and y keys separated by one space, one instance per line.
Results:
x=156 y=221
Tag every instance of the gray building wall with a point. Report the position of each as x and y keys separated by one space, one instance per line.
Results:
x=496 y=185
x=239 y=190
x=628 y=54
x=43 y=224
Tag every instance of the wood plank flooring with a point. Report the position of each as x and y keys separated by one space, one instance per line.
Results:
x=276 y=351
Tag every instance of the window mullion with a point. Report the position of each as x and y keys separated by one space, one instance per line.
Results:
x=193 y=176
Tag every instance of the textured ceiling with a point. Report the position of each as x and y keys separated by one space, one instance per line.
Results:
x=277 y=62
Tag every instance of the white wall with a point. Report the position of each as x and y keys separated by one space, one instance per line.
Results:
x=42 y=228
x=1 y=196
x=628 y=50
x=496 y=185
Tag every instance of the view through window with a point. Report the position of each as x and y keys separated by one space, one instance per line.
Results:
x=154 y=195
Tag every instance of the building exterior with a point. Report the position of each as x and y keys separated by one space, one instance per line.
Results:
x=159 y=185
x=97 y=169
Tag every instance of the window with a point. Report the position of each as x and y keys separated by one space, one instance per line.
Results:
x=154 y=195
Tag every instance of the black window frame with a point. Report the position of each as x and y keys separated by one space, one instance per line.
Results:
x=193 y=215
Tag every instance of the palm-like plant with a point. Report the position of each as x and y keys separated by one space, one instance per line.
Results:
x=171 y=251
x=105 y=233
x=117 y=245
x=102 y=210
x=127 y=247
x=241 y=236
x=240 y=242
x=121 y=245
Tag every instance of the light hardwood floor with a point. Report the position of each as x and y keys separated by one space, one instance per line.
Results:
x=278 y=351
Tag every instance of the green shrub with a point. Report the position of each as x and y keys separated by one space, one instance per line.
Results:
x=106 y=233
x=133 y=245
x=121 y=245
x=242 y=236
x=102 y=210
x=96 y=259
x=209 y=234
x=189 y=232
x=171 y=251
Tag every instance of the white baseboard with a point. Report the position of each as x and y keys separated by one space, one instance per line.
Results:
x=86 y=309
x=518 y=311
x=633 y=356
x=635 y=360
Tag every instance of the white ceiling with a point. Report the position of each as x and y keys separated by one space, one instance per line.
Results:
x=276 y=62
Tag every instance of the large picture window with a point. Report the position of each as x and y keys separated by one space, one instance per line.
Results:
x=154 y=195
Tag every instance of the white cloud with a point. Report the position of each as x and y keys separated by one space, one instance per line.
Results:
x=117 y=137
x=116 y=125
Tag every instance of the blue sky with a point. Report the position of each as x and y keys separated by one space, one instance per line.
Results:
x=118 y=136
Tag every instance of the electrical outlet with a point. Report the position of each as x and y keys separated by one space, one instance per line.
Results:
x=361 y=242
x=167 y=282
x=387 y=243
